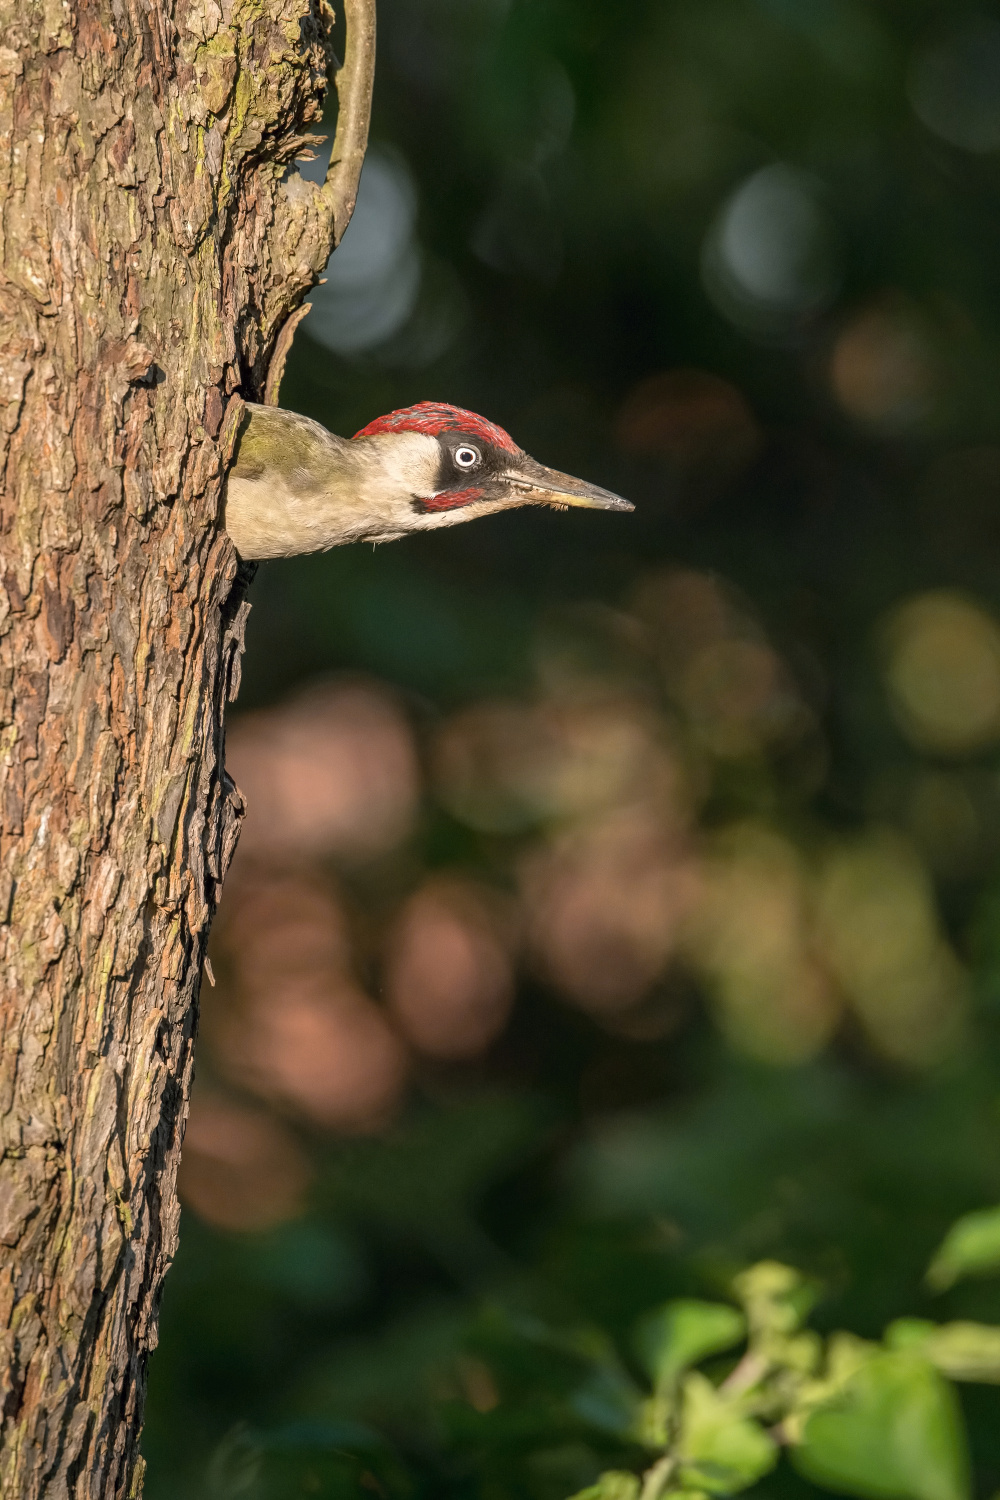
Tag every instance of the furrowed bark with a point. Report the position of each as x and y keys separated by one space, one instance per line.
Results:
x=150 y=251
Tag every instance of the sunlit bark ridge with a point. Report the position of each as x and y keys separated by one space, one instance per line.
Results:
x=152 y=246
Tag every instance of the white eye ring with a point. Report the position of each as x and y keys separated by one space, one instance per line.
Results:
x=467 y=457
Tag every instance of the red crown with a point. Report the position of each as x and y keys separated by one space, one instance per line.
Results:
x=435 y=417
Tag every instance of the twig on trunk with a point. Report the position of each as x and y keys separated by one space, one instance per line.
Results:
x=354 y=80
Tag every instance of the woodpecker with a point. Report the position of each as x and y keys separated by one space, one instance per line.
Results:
x=295 y=487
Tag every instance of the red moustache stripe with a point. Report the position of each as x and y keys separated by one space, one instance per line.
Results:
x=449 y=499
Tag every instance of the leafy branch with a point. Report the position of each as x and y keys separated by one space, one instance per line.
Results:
x=855 y=1416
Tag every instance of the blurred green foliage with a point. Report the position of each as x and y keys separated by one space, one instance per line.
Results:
x=488 y=1299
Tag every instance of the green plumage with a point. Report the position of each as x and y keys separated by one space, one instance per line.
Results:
x=275 y=442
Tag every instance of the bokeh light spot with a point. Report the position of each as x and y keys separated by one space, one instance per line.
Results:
x=880 y=934
x=449 y=979
x=771 y=258
x=319 y=1046
x=881 y=369
x=289 y=1020
x=942 y=668
x=604 y=905
x=954 y=86
x=241 y=1168
x=332 y=772
x=698 y=424
x=373 y=277
x=737 y=697
x=750 y=938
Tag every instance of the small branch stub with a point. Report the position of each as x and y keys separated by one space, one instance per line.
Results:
x=276 y=369
x=354 y=95
x=354 y=82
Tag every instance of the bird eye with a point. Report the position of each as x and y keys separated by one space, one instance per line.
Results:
x=466 y=457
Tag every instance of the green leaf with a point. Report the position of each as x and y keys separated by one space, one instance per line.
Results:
x=970 y=1248
x=720 y=1450
x=962 y=1351
x=845 y=1356
x=679 y=1334
x=608 y=1400
x=614 y=1484
x=910 y=1335
x=894 y=1430
x=234 y=1467
x=777 y=1298
x=652 y=1425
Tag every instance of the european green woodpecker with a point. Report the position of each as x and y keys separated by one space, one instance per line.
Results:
x=294 y=487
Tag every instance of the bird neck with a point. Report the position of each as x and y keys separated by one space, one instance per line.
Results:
x=295 y=487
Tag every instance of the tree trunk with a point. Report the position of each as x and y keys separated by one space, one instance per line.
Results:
x=149 y=254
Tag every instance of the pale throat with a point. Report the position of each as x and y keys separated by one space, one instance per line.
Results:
x=409 y=472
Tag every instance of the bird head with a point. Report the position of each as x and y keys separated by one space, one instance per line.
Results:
x=438 y=465
x=295 y=487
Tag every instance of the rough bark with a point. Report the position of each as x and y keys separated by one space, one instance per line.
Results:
x=150 y=252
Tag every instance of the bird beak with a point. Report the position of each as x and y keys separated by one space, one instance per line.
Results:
x=537 y=485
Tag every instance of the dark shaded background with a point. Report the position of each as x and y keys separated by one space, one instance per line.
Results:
x=618 y=901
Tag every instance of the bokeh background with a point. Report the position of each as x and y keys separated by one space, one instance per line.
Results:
x=619 y=899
